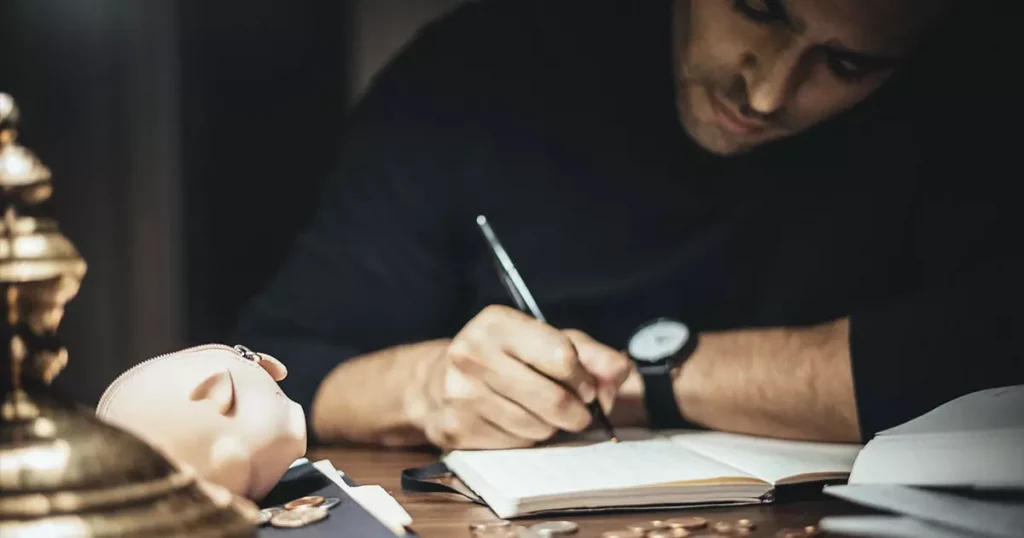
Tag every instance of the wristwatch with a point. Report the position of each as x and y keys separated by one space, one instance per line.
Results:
x=657 y=348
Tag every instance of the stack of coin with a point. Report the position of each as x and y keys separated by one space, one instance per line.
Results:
x=683 y=527
x=299 y=512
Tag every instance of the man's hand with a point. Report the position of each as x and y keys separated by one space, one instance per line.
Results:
x=508 y=380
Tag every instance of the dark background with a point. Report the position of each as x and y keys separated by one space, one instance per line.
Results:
x=188 y=140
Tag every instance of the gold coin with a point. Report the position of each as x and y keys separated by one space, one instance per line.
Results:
x=555 y=528
x=679 y=532
x=723 y=527
x=622 y=534
x=299 y=517
x=688 y=523
x=490 y=525
x=268 y=513
x=648 y=526
x=303 y=502
x=745 y=524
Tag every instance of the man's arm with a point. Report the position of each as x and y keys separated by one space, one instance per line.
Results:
x=379 y=262
x=958 y=331
x=793 y=383
x=347 y=406
x=783 y=382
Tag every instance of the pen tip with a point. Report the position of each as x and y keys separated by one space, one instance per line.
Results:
x=481 y=220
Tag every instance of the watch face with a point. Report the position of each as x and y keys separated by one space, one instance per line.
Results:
x=658 y=340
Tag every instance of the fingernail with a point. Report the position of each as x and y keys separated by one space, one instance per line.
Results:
x=607 y=398
x=587 y=392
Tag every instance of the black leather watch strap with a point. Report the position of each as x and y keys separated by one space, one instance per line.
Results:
x=660 y=400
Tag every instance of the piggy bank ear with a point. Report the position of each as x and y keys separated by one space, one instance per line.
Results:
x=218 y=389
x=274 y=367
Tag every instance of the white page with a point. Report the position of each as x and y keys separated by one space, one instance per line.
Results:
x=888 y=527
x=993 y=459
x=769 y=459
x=995 y=518
x=992 y=409
x=524 y=473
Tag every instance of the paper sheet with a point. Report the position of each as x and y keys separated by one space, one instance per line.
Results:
x=772 y=460
x=992 y=409
x=526 y=473
x=993 y=518
x=374 y=499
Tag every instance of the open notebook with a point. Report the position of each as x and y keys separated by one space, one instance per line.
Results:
x=671 y=469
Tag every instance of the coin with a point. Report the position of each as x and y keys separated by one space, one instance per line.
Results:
x=330 y=502
x=745 y=524
x=523 y=532
x=555 y=528
x=678 y=532
x=488 y=525
x=302 y=502
x=648 y=526
x=268 y=513
x=811 y=530
x=688 y=523
x=723 y=527
x=622 y=534
x=299 y=517
x=663 y=533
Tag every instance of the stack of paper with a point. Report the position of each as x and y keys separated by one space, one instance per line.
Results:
x=957 y=470
x=922 y=513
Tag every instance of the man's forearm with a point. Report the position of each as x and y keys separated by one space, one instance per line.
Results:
x=367 y=399
x=788 y=383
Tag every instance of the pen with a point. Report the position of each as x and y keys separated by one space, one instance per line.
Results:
x=525 y=302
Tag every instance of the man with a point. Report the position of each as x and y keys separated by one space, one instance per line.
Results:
x=735 y=165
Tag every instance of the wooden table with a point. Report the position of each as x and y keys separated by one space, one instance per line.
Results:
x=444 y=516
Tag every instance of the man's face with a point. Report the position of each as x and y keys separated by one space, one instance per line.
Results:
x=753 y=71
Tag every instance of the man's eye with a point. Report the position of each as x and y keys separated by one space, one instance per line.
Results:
x=845 y=69
x=760 y=10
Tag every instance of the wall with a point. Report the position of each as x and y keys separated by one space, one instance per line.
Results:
x=381 y=27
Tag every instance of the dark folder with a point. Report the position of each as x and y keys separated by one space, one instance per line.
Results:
x=348 y=518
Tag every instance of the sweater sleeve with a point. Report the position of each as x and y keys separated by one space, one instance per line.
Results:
x=960 y=330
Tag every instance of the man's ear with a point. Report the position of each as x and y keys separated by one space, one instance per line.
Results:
x=218 y=389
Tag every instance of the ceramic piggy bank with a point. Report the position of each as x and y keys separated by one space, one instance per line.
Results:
x=215 y=408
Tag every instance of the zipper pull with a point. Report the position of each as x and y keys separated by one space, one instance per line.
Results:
x=248 y=353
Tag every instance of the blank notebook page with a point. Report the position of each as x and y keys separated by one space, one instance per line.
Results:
x=772 y=460
x=533 y=472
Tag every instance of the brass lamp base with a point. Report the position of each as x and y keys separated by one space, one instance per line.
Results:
x=63 y=472
x=68 y=474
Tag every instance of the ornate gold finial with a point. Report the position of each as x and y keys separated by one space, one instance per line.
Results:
x=65 y=473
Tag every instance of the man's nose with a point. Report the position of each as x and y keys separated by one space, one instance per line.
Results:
x=771 y=79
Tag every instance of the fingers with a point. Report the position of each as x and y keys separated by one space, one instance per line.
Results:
x=471 y=394
x=609 y=367
x=459 y=429
x=517 y=382
x=535 y=343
